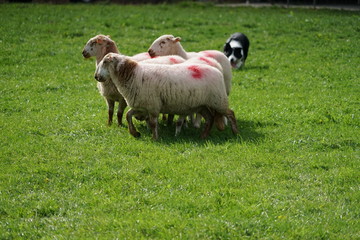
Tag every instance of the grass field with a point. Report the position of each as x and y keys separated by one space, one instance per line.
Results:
x=292 y=173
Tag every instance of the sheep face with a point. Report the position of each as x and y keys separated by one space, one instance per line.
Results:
x=164 y=45
x=104 y=68
x=96 y=46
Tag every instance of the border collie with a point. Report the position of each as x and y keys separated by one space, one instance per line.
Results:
x=236 y=49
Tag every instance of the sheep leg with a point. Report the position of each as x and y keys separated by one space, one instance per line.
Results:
x=231 y=117
x=209 y=121
x=197 y=120
x=219 y=122
x=111 y=105
x=121 y=108
x=170 y=119
x=131 y=126
x=153 y=122
x=179 y=124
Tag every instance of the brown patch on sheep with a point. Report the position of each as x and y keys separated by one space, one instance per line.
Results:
x=126 y=70
x=111 y=47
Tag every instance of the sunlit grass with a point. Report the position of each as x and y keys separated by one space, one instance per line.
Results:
x=292 y=173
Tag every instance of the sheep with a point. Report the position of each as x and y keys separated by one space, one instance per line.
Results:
x=211 y=62
x=182 y=89
x=99 y=46
x=170 y=45
x=175 y=59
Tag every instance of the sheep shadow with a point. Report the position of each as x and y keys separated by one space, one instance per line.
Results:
x=248 y=132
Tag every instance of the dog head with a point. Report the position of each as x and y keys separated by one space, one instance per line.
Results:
x=234 y=51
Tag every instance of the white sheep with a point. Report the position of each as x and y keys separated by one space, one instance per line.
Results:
x=175 y=59
x=170 y=45
x=99 y=46
x=169 y=60
x=197 y=121
x=179 y=89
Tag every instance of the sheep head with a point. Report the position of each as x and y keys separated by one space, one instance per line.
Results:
x=164 y=45
x=108 y=63
x=115 y=66
x=97 y=46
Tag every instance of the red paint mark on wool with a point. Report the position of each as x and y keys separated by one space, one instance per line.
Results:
x=173 y=60
x=207 y=61
x=195 y=71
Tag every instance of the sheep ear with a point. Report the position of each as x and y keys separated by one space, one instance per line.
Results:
x=108 y=36
x=177 y=39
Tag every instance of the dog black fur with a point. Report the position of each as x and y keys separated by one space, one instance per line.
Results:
x=236 y=49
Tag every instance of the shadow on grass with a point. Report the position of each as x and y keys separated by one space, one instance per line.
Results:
x=253 y=67
x=247 y=133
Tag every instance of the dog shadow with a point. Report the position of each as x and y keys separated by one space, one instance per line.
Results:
x=252 y=68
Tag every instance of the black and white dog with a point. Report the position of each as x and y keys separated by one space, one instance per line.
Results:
x=236 y=49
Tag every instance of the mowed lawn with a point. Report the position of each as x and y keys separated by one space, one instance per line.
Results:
x=293 y=172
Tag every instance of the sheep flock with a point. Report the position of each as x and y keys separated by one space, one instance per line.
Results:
x=164 y=80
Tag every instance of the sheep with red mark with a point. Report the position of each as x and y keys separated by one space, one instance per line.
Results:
x=211 y=62
x=99 y=46
x=151 y=89
x=175 y=59
x=170 y=45
x=171 y=59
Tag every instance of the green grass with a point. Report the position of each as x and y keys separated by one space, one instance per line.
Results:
x=292 y=173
